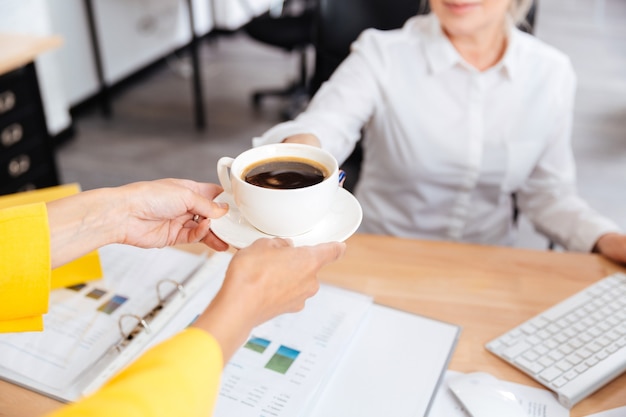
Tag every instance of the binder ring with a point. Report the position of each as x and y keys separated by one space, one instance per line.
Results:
x=140 y=322
x=179 y=287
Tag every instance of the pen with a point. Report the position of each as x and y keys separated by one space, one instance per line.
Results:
x=342 y=176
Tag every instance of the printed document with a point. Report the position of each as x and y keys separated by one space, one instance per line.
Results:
x=285 y=361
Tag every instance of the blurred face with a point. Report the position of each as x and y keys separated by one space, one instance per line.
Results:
x=460 y=18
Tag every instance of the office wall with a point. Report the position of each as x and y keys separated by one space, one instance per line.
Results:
x=131 y=34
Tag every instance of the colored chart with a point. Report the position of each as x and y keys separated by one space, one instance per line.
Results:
x=112 y=305
x=257 y=344
x=282 y=359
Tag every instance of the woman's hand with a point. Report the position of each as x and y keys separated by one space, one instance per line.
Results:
x=612 y=246
x=264 y=280
x=161 y=213
x=150 y=214
x=304 y=138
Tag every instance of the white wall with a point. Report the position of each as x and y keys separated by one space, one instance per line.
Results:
x=131 y=34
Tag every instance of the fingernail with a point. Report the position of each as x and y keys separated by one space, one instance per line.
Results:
x=342 y=176
x=222 y=205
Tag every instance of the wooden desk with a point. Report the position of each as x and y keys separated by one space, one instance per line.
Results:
x=486 y=290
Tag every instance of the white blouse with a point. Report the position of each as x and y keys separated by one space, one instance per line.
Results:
x=446 y=145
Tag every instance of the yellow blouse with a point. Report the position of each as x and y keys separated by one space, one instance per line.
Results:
x=179 y=377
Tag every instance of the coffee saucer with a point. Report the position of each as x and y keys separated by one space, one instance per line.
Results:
x=339 y=224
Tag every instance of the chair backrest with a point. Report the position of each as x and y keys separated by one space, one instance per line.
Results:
x=339 y=22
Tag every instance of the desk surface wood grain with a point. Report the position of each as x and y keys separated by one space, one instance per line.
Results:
x=17 y=50
x=484 y=289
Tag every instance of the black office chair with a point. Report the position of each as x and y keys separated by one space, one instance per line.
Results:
x=291 y=30
x=337 y=24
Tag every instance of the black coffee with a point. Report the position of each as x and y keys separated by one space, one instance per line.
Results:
x=285 y=173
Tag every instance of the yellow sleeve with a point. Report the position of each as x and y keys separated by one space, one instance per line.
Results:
x=179 y=377
x=24 y=267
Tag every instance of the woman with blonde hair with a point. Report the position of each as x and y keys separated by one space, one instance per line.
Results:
x=458 y=111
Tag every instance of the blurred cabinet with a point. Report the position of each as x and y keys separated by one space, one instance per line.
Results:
x=27 y=158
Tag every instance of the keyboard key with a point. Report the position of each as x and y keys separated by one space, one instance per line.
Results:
x=533 y=340
x=575 y=343
x=529 y=366
x=612 y=348
x=542 y=334
x=528 y=328
x=539 y=322
x=581 y=368
x=546 y=361
x=566 y=349
x=553 y=328
x=516 y=350
x=550 y=374
x=531 y=355
x=603 y=354
x=592 y=361
x=574 y=358
x=570 y=374
x=584 y=352
x=564 y=365
x=595 y=346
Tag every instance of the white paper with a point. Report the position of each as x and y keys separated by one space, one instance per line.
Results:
x=536 y=401
x=280 y=369
x=82 y=323
x=392 y=367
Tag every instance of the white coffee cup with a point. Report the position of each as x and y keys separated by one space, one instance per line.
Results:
x=280 y=212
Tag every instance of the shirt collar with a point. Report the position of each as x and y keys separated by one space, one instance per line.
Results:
x=441 y=54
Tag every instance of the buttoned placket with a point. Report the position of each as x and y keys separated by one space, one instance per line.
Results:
x=475 y=133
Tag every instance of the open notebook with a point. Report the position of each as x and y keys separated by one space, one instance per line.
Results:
x=341 y=355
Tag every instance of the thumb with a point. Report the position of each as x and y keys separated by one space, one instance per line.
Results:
x=209 y=209
x=329 y=252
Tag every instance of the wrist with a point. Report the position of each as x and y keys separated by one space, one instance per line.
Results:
x=230 y=334
x=80 y=224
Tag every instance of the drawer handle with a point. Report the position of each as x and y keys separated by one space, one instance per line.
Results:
x=7 y=101
x=12 y=134
x=29 y=186
x=19 y=165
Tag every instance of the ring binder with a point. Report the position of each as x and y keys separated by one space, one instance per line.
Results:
x=148 y=295
x=141 y=322
x=180 y=287
x=144 y=322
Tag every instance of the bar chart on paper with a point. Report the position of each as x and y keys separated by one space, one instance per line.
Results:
x=280 y=368
x=282 y=359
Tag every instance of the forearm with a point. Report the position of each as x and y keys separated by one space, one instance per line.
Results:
x=82 y=223
x=230 y=334
x=179 y=377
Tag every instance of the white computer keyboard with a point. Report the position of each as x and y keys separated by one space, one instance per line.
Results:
x=574 y=347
